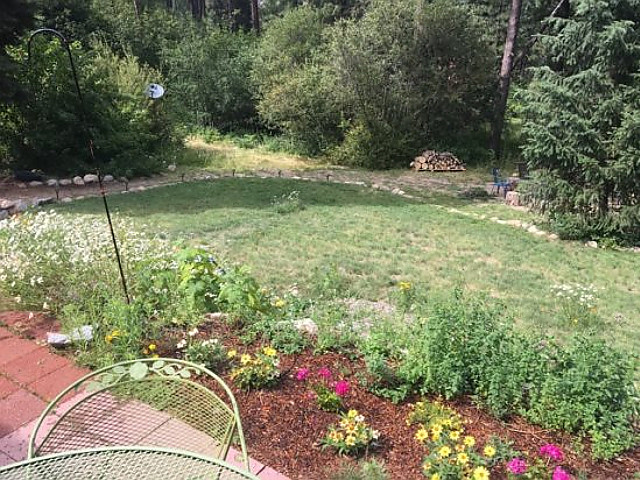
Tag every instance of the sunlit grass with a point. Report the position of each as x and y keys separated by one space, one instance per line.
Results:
x=376 y=239
x=225 y=155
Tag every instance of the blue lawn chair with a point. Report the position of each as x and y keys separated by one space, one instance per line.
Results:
x=498 y=182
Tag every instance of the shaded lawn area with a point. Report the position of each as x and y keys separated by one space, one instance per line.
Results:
x=375 y=239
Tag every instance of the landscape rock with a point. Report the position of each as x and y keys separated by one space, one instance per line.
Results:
x=20 y=206
x=43 y=201
x=553 y=236
x=52 y=182
x=66 y=200
x=591 y=244
x=4 y=214
x=215 y=316
x=306 y=325
x=21 y=185
x=58 y=340
x=108 y=179
x=90 y=178
x=35 y=183
x=65 y=182
x=6 y=204
x=172 y=167
x=78 y=181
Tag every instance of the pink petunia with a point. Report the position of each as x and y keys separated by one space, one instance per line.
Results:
x=342 y=388
x=560 y=474
x=552 y=451
x=324 y=373
x=517 y=466
x=302 y=374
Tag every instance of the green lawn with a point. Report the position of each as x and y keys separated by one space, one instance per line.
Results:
x=376 y=239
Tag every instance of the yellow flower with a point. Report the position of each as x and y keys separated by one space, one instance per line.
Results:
x=489 y=451
x=231 y=353
x=447 y=422
x=426 y=467
x=115 y=333
x=352 y=413
x=454 y=435
x=279 y=303
x=350 y=440
x=245 y=358
x=340 y=436
x=435 y=476
x=469 y=441
x=155 y=355
x=421 y=435
x=108 y=338
x=152 y=347
x=444 y=452
x=480 y=473
x=436 y=430
x=459 y=448
x=350 y=428
x=269 y=351
x=462 y=458
x=404 y=286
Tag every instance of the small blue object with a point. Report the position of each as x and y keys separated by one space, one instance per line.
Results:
x=498 y=182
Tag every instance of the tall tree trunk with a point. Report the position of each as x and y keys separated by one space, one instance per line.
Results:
x=255 y=16
x=136 y=8
x=505 y=77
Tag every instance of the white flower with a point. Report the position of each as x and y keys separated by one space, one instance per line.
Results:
x=45 y=306
x=18 y=299
x=181 y=344
x=375 y=434
x=359 y=419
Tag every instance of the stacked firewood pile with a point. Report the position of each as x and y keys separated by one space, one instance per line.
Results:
x=437 y=162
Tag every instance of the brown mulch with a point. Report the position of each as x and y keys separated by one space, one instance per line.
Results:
x=282 y=425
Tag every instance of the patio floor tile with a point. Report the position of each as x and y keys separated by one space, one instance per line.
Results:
x=13 y=347
x=31 y=367
x=17 y=409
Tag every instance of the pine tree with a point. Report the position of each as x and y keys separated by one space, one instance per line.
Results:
x=582 y=127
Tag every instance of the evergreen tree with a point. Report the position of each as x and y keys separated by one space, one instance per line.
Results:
x=582 y=127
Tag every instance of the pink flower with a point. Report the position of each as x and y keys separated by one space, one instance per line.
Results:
x=325 y=373
x=342 y=388
x=560 y=474
x=302 y=374
x=552 y=451
x=517 y=466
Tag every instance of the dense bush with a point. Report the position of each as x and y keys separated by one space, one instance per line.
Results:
x=464 y=347
x=410 y=75
x=295 y=85
x=208 y=70
x=582 y=128
x=130 y=132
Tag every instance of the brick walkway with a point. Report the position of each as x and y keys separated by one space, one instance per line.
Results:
x=30 y=377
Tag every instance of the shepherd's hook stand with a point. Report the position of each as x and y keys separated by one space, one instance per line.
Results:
x=65 y=44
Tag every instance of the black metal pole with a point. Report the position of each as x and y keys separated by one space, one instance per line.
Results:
x=65 y=44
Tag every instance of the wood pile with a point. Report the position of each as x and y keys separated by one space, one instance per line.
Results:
x=437 y=162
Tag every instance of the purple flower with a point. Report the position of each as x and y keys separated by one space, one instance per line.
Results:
x=517 y=466
x=302 y=374
x=552 y=451
x=560 y=474
x=325 y=373
x=342 y=388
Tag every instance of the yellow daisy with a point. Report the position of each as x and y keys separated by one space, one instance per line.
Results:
x=462 y=458
x=469 y=441
x=444 y=452
x=489 y=451
x=245 y=358
x=480 y=473
x=421 y=435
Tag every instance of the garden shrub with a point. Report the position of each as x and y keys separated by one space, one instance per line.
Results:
x=130 y=133
x=463 y=347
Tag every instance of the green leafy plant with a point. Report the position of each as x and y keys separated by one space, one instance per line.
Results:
x=577 y=304
x=365 y=470
x=351 y=436
x=200 y=277
x=257 y=371
x=287 y=202
x=209 y=353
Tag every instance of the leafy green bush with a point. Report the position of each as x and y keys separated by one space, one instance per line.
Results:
x=130 y=133
x=210 y=353
x=410 y=74
x=462 y=347
x=365 y=470
x=294 y=82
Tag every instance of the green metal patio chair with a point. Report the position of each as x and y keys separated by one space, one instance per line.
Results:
x=126 y=463
x=150 y=403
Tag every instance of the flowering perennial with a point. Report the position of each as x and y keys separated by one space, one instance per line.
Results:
x=351 y=435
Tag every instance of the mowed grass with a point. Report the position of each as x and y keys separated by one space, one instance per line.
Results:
x=375 y=239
